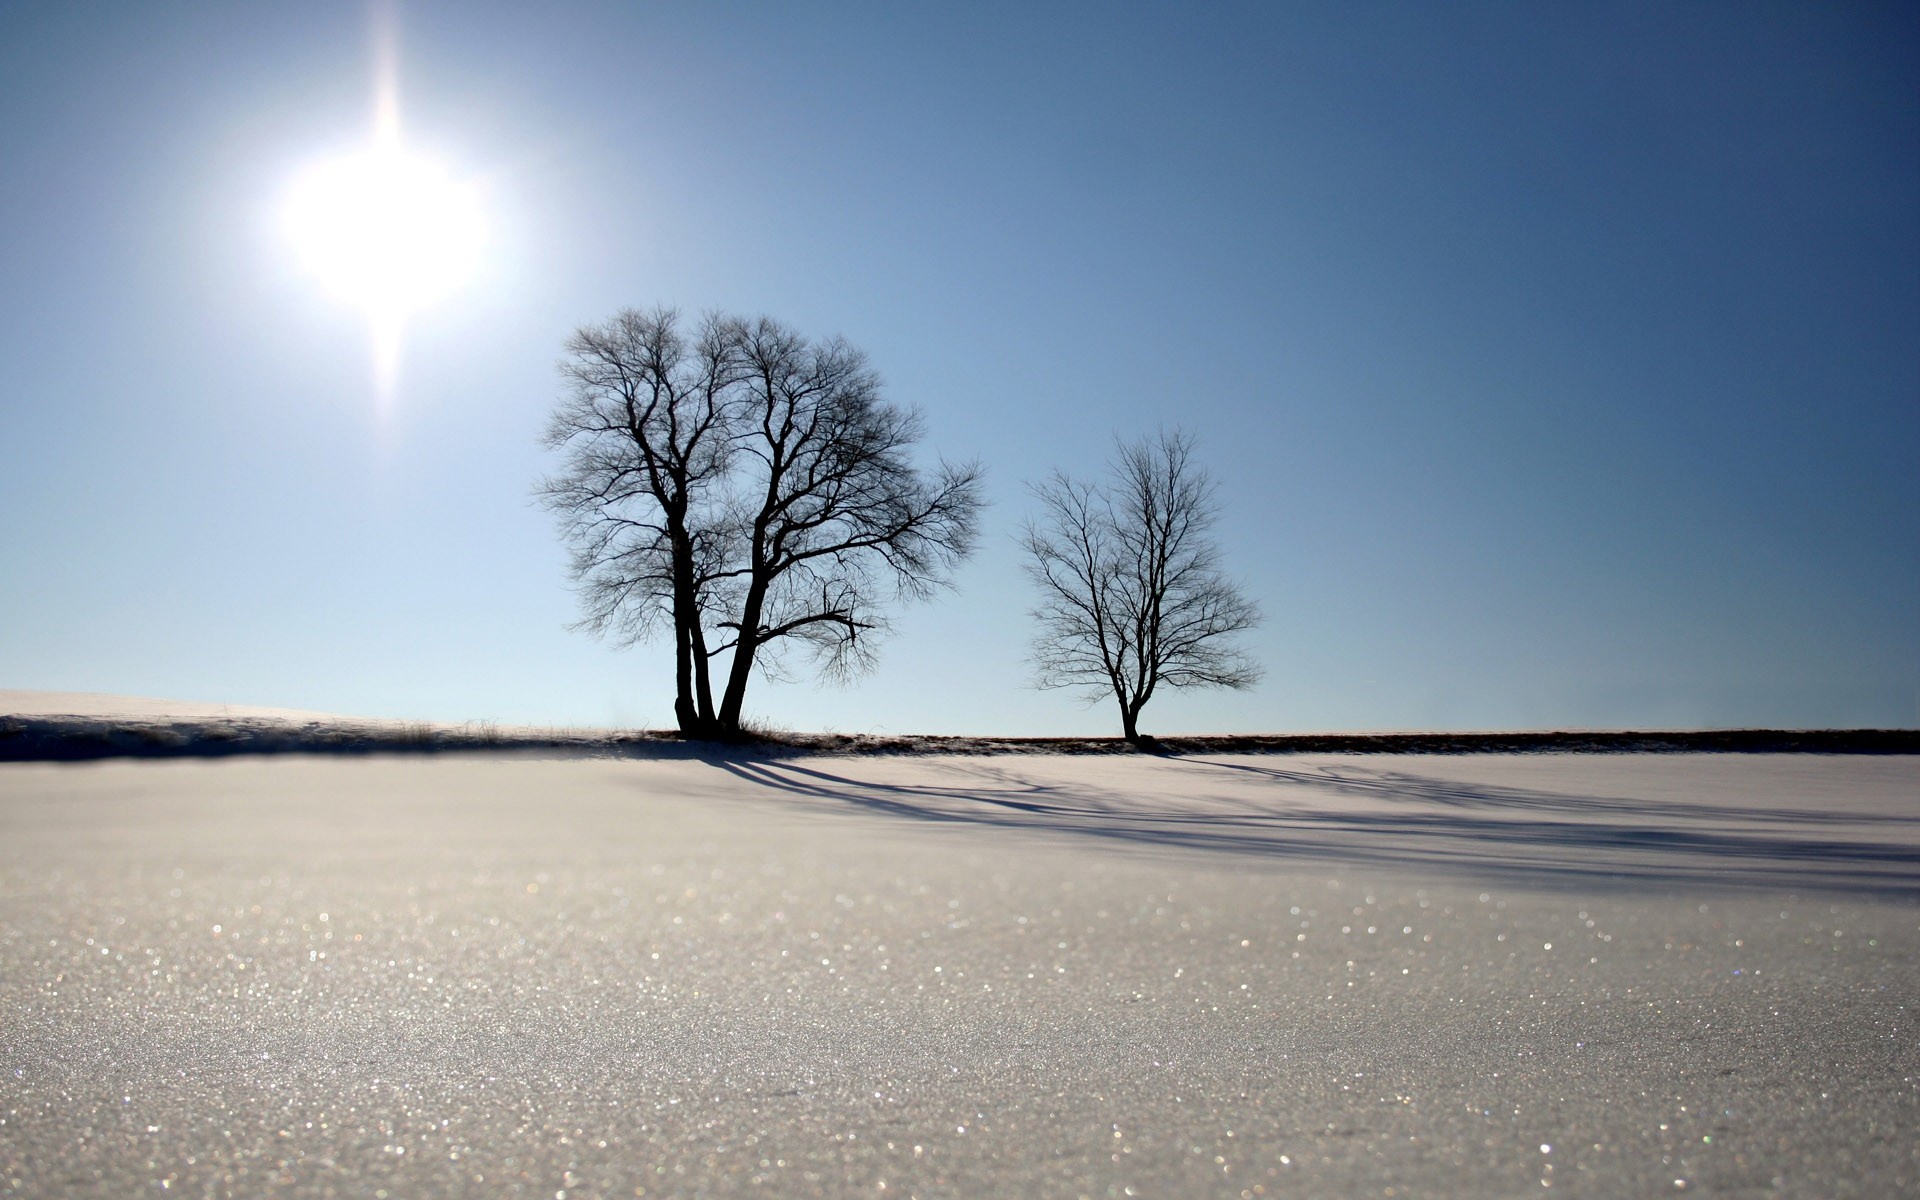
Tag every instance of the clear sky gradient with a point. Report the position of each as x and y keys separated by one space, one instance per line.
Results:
x=1559 y=364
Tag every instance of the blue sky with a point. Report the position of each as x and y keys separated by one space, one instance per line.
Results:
x=1559 y=365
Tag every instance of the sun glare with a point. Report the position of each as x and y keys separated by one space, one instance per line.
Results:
x=387 y=231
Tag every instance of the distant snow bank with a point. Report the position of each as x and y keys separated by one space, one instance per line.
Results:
x=26 y=703
x=48 y=725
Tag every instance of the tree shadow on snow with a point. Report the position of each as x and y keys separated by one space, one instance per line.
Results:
x=1412 y=822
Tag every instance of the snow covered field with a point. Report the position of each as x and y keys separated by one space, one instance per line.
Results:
x=961 y=975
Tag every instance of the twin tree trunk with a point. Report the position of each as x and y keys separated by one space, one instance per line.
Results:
x=693 y=694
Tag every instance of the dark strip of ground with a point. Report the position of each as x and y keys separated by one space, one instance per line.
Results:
x=79 y=739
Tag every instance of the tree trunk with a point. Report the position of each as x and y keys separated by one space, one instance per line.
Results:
x=693 y=692
x=686 y=630
x=734 y=699
x=745 y=646
x=683 y=711
x=693 y=706
x=1129 y=723
x=702 y=684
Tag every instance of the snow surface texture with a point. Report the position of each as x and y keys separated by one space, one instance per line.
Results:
x=482 y=975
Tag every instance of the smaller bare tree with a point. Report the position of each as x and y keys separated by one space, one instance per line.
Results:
x=1132 y=595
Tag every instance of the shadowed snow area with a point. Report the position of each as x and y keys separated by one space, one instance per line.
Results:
x=961 y=975
x=1555 y=819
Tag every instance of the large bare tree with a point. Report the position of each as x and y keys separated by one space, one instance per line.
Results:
x=646 y=424
x=1132 y=595
x=752 y=489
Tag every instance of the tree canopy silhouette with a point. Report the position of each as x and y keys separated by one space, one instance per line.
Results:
x=750 y=489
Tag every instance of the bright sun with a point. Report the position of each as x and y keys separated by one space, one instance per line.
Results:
x=385 y=230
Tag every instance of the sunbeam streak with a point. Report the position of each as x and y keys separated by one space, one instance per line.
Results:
x=385 y=229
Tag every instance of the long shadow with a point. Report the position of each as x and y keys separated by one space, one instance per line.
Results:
x=1545 y=851
x=1354 y=780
